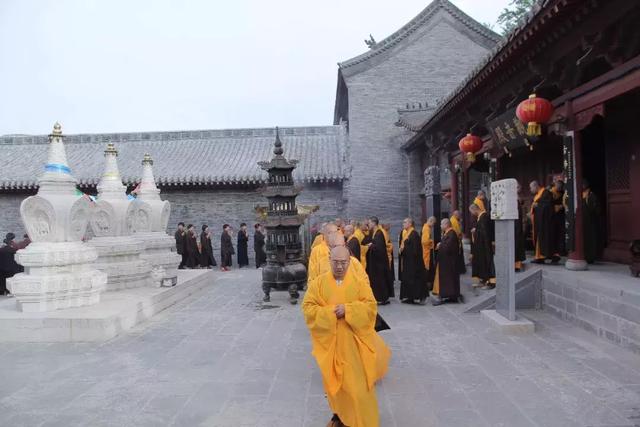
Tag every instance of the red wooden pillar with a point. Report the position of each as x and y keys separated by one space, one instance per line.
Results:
x=576 y=260
x=454 y=186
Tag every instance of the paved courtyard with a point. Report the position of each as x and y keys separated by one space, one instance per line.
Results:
x=222 y=358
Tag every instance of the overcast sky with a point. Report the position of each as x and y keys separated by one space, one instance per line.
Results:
x=122 y=65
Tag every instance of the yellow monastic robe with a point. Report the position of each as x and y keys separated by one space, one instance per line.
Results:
x=457 y=227
x=319 y=239
x=350 y=354
x=427 y=245
x=359 y=234
x=479 y=203
x=538 y=254
x=389 y=244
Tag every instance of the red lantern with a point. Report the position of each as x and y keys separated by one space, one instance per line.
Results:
x=470 y=145
x=534 y=111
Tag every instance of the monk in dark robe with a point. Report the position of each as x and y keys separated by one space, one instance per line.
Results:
x=206 y=249
x=243 y=250
x=378 y=262
x=519 y=236
x=591 y=224
x=386 y=229
x=413 y=285
x=353 y=244
x=558 y=219
x=482 y=266
x=446 y=287
x=8 y=265
x=258 y=246
x=542 y=222
x=226 y=248
x=181 y=241
x=191 y=246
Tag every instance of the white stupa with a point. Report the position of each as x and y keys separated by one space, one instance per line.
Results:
x=159 y=246
x=59 y=270
x=113 y=218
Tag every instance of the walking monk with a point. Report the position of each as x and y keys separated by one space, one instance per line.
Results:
x=541 y=218
x=428 y=251
x=378 y=262
x=352 y=241
x=447 y=281
x=340 y=312
x=413 y=285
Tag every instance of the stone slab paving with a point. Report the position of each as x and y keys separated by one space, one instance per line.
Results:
x=222 y=358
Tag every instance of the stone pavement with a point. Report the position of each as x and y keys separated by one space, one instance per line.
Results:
x=222 y=358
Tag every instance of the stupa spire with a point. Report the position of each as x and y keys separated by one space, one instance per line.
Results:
x=148 y=189
x=111 y=183
x=57 y=173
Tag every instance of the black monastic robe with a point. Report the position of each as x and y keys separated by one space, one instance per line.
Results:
x=558 y=223
x=413 y=284
x=591 y=226
x=447 y=279
x=354 y=247
x=258 y=247
x=191 y=246
x=378 y=266
x=243 y=251
x=180 y=246
x=542 y=221
x=8 y=266
x=482 y=265
x=206 y=248
x=226 y=250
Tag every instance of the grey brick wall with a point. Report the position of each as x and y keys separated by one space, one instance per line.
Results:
x=10 y=219
x=213 y=207
x=432 y=64
x=597 y=308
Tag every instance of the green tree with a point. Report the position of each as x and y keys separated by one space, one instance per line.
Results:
x=511 y=15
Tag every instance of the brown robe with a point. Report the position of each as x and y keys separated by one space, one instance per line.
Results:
x=447 y=280
x=413 y=285
x=354 y=247
x=378 y=267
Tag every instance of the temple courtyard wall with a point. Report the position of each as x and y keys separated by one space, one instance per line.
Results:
x=213 y=207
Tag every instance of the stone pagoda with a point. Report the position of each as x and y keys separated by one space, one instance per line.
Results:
x=59 y=271
x=158 y=244
x=284 y=269
x=113 y=218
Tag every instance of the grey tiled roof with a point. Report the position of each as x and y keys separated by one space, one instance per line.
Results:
x=206 y=157
x=423 y=18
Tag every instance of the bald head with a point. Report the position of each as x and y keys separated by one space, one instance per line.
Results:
x=348 y=230
x=456 y=214
x=445 y=225
x=339 y=258
x=329 y=228
x=474 y=209
x=335 y=239
x=432 y=220
x=534 y=187
x=481 y=194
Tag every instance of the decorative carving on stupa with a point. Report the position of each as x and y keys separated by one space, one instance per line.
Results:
x=113 y=218
x=59 y=270
x=159 y=246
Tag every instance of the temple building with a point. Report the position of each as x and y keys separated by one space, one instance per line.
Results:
x=584 y=59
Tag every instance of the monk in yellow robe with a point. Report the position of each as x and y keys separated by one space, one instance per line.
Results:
x=428 y=247
x=481 y=201
x=361 y=233
x=320 y=237
x=340 y=311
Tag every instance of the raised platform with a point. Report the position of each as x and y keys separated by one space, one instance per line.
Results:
x=116 y=312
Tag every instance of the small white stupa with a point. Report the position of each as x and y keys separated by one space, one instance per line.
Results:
x=158 y=244
x=59 y=270
x=113 y=218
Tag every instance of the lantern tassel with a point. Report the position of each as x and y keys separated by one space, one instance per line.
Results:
x=471 y=157
x=534 y=129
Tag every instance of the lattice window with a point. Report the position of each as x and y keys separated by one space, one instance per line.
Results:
x=618 y=164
